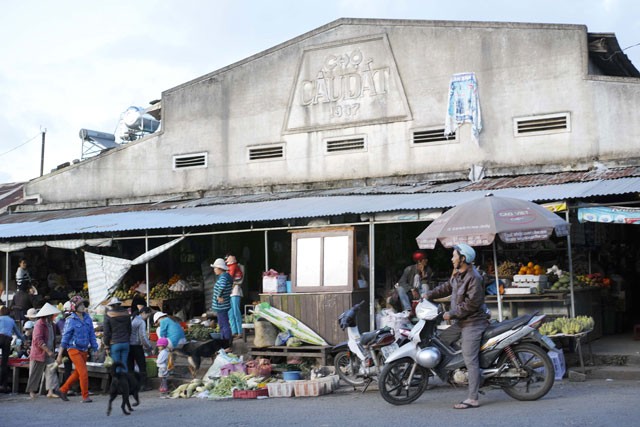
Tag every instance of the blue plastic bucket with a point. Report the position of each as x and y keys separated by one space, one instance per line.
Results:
x=291 y=375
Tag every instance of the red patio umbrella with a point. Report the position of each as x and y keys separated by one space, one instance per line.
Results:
x=478 y=221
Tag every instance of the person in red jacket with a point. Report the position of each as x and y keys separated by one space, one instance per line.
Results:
x=235 y=315
x=42 y=352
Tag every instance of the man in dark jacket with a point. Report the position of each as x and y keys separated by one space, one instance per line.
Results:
x=414 y=280
x=117 y=333
x=467 y=312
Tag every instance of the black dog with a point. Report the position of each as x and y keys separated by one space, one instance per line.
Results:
x=125 y=384
x=196 y=350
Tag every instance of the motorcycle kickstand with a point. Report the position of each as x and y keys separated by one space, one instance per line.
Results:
x=367 y=384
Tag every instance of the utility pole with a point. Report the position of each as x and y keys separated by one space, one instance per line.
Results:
x=44 y=131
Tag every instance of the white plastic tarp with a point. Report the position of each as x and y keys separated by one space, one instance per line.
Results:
x=61 y=244
x=105 y=272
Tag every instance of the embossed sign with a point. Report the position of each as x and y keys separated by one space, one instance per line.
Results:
x=342 y=84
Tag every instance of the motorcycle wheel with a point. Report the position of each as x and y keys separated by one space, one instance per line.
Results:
x=347 y=368
x=394 y=382
x=541 y=374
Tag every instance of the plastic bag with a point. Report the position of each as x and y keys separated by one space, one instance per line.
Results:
x=265 y=334
x=108 y=362
x=282 y=337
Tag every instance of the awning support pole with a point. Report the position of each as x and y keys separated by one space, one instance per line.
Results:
x=6 y=280
x=573 y=301
x=266 y=250
x=372 y=276
x=146 y=264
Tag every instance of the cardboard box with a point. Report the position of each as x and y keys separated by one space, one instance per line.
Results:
x=274 y=284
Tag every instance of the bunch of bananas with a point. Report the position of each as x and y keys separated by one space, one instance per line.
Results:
x=161 y=291
x=567 y=326
x=548 y=328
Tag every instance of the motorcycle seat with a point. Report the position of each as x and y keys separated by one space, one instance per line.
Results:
x=506 y=325
x=368 y=337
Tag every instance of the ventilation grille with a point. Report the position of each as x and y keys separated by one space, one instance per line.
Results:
x=432 y=135
x=338 y=145
x=552 y=123
x=198 y=160
x=270 y=152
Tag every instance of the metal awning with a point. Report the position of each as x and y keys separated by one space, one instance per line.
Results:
x=184 y=215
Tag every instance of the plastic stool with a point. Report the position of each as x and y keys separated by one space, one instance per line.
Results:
x=636 y=332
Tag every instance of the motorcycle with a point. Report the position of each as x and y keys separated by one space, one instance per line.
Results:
x=513 y=357
x=358 y=360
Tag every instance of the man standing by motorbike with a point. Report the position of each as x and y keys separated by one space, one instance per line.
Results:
x=467 y=313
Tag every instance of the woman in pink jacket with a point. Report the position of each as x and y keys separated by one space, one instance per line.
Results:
x=42 y=352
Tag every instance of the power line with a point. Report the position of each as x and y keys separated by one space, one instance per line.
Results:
x=24 y=143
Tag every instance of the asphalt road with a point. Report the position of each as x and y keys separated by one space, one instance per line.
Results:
x=590 y=403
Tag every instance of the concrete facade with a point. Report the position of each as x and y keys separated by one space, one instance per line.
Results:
x=377 y=81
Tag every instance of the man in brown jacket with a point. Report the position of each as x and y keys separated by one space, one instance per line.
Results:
x=467 y=312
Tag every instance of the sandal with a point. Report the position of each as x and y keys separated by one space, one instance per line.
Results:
x=464 y=405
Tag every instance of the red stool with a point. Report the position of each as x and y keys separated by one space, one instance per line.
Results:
x=636 y=332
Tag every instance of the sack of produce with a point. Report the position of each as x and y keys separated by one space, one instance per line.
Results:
x=265 y=334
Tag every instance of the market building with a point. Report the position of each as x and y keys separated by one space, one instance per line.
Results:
x=325 y=156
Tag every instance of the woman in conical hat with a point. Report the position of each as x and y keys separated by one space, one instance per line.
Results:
x=42 y=352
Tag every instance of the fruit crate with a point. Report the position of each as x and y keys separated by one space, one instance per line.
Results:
x=280 y=389
x=311 y=388
x=331 y=381
x=250 y=394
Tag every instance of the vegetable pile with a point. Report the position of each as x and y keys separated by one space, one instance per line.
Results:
x=220 y=387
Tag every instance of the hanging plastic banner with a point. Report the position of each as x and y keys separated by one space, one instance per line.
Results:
x=556 y=206
x=611 y=214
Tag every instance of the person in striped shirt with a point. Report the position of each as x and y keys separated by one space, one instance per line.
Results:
x=221 y=301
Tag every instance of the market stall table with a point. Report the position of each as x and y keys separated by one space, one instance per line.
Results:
x=19 y=372
x=320 y=352
x=551 y=299
x=577 y=346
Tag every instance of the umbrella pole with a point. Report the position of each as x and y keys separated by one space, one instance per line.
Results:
x=495 y=269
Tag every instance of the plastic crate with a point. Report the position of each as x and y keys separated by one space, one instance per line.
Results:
x=250 y=394
x=557 y=357
x=331 y=382
x=310 y=388
x=280 y=389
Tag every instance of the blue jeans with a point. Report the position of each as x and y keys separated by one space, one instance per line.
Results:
x=223 y=321
x=404 y=298
x=120 y=353
x=235 y=316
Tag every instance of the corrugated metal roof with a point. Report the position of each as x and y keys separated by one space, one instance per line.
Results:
x=185 y=214
x=10 y=194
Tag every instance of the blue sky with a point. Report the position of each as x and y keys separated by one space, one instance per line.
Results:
x=68 y=65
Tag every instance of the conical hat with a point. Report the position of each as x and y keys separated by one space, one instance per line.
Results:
x=47 y=310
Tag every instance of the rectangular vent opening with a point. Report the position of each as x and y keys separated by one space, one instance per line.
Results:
x=338 y=145
x=542 y=124
x=262 y=153
x=431 y=135
x=197 y=160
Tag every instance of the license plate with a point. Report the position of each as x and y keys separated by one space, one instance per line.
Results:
x=548 y=341
x=386 y=351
